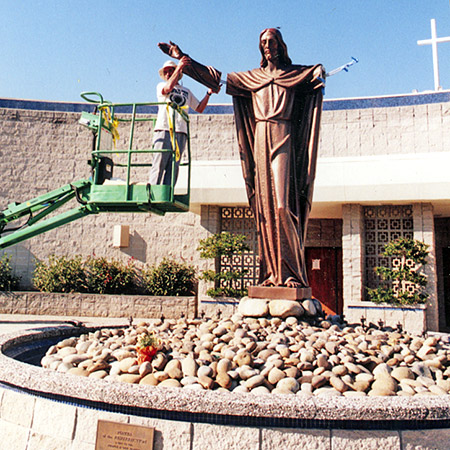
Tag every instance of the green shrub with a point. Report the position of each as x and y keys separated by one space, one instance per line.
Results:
x=8 y=281
x=110 y=277
x=214 y=247
x=169 y=278
x=60 y=274
x=408 y=281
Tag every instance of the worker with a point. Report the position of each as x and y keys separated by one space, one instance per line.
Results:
x=170 y=90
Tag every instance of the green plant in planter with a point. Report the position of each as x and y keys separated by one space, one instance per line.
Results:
x=409 y=283
x=110 y=277
x=8 y=281
x=60 y=274
x=223 y=245
x=169 y=278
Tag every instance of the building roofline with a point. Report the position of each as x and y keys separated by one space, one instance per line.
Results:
x=385 y=101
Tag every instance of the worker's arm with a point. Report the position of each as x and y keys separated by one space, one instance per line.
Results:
x=175 y=78
x=202 y=105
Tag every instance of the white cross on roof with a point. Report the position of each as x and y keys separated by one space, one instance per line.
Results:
x=434 y=41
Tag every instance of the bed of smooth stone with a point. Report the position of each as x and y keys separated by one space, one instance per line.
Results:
x=77 y=388
x=262 y=356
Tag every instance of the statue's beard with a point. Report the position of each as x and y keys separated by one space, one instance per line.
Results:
x=273 y=57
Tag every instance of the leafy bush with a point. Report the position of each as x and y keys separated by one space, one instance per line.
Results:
x=8 y=281
x=110 y=277
x=214 y=247
x=101 y=276
x=402 y=284
x=60 y=274
x=169 y=278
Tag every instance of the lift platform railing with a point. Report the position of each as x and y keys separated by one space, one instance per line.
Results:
x=94 y=195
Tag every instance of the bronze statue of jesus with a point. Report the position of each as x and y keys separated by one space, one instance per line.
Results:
x=277 y=109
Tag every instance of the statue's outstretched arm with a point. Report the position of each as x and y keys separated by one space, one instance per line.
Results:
x=206 y=75
x=171 y=49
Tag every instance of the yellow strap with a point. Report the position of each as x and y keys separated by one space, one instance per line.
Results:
x=113 y=124
x=174 y=140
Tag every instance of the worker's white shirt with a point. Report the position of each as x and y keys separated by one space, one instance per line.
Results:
x=180 y=95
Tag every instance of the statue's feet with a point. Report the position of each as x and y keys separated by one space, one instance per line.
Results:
x=267 y=283
x=293 y=284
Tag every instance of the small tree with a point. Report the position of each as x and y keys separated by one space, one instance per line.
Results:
x=8 y=281
x=60 y=274
x=169 y=278
x=402 y=283
x=223 y=245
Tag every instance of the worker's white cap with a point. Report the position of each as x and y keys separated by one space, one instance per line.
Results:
x=166 y=64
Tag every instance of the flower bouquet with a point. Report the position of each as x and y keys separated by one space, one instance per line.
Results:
x=147 y=347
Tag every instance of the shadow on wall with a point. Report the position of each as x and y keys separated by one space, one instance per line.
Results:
x=137 y=248
x=23 y=263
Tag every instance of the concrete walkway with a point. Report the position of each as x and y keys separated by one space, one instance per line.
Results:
x=10 y=323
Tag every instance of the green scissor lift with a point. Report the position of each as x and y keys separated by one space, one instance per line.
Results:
x=21 y=221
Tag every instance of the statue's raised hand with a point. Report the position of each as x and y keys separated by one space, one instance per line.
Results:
x=171 y=49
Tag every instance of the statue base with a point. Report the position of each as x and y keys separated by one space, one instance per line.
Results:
x=279 y=293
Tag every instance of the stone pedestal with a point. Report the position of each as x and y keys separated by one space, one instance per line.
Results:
x=279 y=293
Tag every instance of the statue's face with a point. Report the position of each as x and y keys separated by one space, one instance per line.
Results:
x=269 y=45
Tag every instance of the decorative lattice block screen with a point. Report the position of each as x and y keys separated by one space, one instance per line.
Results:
x=236 y=219
x=383 y=224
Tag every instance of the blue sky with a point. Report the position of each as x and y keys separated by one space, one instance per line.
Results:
x=55 y=49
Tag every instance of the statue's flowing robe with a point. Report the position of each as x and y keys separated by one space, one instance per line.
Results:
x=277 y=121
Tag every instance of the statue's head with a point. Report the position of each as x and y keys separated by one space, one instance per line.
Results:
x=283 y=57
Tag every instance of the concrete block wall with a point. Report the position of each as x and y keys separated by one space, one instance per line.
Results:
x=43 y=150
x=413 y=128
x=97 y=305
x=424 y=232
x=28 y=423
x=352 y=252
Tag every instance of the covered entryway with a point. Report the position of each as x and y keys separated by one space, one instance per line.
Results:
x=323 y=255
x=324 y=268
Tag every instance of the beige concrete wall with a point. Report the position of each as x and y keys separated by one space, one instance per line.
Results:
x=28 y=422
x=41 y=151
x=424 y=232
x=352 y=252
x=382 y=131
x=97 y=305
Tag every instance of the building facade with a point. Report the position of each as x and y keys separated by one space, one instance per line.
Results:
x=382 y=173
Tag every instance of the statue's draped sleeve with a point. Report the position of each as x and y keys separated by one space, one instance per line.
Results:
x=206 y=75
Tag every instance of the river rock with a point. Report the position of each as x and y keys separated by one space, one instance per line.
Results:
x=170 y=382
x=275 y=375
x=338 y=384
x=149 y=379
x=254 y=382
x=173 y=369
x=223 y=380
x=384 y=385
x=290 y=384
x=129 y=378
x=285 y=308
x=309 y=307
x=189 y=367
x=243 y=359
x=126 y=363
x=253 y=307
x=293 y=355
x=400 y=373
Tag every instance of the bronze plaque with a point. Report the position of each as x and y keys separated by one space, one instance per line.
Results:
x=122 y=436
